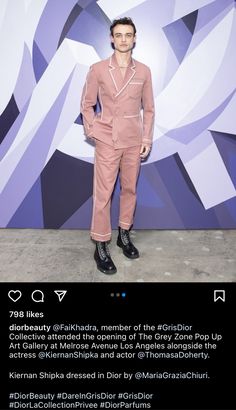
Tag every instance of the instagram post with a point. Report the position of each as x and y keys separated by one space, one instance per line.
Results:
x=117 y=204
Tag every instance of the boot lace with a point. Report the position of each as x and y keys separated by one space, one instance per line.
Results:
x=103 y=250
x=107 y=249
x=124 y=236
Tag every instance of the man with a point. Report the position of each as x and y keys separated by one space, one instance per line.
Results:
x=122 y=136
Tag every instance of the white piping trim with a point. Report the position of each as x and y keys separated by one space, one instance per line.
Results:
x=131 y=116
x=113 y=68
x=135 y=82
x=110 y=71
x=124 y=223
x=94 y=202
x=95 y=190
x=126 y=83
x=110 y=62
x=99 y=234
x=85 y=122
x=85 y=92
x=100 y=99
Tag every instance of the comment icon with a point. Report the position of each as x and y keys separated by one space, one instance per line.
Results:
x=37 y=296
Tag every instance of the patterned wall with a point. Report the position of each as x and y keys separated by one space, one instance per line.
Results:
x=46 y=169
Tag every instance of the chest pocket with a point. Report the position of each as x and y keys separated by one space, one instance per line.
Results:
x=135 y=89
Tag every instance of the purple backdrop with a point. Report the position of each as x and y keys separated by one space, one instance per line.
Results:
x=46 y=169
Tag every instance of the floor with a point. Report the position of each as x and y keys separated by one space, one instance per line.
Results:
x=31 y=255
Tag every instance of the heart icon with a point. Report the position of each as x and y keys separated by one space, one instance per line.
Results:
x=14 y=295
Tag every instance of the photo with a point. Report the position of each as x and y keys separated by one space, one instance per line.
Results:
x=118 y=147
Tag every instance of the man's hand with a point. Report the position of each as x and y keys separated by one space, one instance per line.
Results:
x=144 y=150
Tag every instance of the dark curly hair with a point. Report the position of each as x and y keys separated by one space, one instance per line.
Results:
x=122 y=20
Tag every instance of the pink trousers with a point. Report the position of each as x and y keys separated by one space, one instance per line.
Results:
x=108 y=162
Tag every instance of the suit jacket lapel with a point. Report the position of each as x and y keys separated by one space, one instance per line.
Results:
x=119 y=82
x=113 y=71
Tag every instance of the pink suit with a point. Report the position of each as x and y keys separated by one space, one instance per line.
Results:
x=125 y=122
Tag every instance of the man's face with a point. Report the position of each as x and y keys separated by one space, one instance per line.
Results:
x=123 y=38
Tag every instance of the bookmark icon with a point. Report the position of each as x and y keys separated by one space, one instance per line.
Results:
x=219 y=294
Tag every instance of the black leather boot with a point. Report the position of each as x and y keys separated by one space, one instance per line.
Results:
x=124 y=242
x=103 y=258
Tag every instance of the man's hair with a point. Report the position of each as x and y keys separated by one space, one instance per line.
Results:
x=123 y=20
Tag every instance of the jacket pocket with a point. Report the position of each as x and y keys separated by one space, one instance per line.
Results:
x=135 y=89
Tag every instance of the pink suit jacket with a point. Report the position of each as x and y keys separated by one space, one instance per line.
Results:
x=127 y=105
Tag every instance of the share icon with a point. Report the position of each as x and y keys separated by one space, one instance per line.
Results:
x=60 y=294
